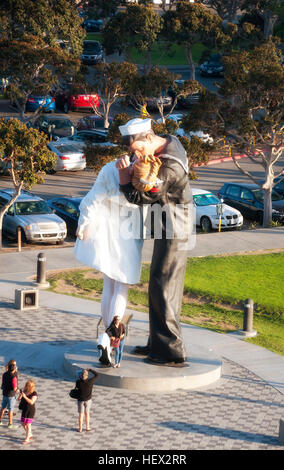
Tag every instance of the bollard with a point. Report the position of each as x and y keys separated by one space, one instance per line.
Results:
x=41 y=265
x=248 y=315
x=248 y=330
x=19 y=234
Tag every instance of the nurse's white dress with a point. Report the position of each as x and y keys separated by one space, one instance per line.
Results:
x=112 y=227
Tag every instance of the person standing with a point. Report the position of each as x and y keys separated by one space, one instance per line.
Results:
x=85 y=387
x=28 y=397
x=165 y=345
x=9 y=388
x=116 y=331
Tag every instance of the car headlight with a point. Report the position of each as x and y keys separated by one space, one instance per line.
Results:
x=62 y=226
x=32 y=228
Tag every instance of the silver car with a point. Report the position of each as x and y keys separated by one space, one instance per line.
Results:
x=33 y=216
x=69 y=156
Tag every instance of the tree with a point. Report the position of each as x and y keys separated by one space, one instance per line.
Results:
x=138 y=26
x=268 y=10
x=100 y=8
x=226 y=9
x=43 y=67
x=111 y=82
x=250 y=114
x=28 y=156
x=190 y=24
x=49 y=20
x=30 y=54
x=155 y=85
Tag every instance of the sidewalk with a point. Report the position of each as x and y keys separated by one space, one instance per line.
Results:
x=239 y=411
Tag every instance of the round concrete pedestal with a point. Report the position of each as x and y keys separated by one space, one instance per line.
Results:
x=202 y=368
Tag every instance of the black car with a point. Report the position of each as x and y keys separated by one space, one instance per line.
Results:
x=92 y=53
x=183 y=101
x=279 y=186
x=68 y=209
x=93 y=26
x=54 y=126
x=248 y=199
x=213 y=67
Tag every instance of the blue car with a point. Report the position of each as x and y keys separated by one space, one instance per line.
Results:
x=34 y=102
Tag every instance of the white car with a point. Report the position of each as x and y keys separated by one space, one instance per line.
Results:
x=207 y=217
x=69 y=156
x=92 y=136
x=181 y=132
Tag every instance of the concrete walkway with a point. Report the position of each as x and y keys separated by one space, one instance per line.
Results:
x=241 y=410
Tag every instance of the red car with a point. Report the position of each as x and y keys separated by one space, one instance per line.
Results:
x=74 y=102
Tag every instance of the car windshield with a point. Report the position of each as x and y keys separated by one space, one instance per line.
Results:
x=32 y=207
x=60 y=123
x=92 y=47
x=259 y=195
x=206 y=199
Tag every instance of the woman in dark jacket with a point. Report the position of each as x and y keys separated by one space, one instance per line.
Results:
x=116 y=331
x=85 y=387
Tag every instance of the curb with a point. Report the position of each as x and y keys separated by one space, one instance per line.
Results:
x=220 y=160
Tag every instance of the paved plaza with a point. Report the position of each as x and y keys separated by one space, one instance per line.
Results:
x=238 y=412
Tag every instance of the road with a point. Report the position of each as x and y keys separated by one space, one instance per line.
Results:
x=78 y=183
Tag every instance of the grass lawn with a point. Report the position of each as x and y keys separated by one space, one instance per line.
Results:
x=176 y=56
x=214 y=293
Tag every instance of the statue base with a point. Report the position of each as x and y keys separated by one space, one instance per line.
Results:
x=202 y=368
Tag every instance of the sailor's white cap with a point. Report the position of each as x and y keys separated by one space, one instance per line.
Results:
x=135 y=126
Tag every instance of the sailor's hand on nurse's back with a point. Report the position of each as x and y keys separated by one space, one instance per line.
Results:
x=123 y=162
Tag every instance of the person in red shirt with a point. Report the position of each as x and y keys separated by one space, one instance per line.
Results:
x=9 y=388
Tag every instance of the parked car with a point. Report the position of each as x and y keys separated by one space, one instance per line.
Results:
x=183 y=101
x=92 y=53
x=92 y=122
x=206 y=212
x=93 y=26
x=53 y=126
x=33 y=216
x=69 y=156
x=152 y=103
x=94 y=136
x=279 y=186
x=66 y=100
x=35 y=101
x=181 y=132
x=248 y=198
x=213 y=67
x=68 y=209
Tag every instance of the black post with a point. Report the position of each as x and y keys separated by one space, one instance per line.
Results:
x=41 y=264
x=248 y=315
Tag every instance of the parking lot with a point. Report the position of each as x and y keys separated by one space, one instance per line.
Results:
x=78 y=183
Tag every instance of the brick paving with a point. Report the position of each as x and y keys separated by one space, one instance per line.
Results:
x=239 y=412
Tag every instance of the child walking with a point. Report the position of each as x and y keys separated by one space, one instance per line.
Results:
x=28 y=397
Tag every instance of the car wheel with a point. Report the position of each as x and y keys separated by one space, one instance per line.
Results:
x=205 y=224
x=23 y=235
x=60 y=242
